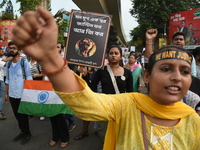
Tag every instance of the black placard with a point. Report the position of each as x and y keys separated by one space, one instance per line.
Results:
x=87 y=38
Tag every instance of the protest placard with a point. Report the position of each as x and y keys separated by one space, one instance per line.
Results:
x=6 y=31
x=87 y=38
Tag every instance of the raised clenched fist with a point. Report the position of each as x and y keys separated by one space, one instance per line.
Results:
x=151 y=34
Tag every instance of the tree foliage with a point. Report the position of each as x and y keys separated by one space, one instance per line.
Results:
x=3 y=3
x=28 y=5
x=131 y=43
x=6 y=16
x=112 y=38
x=155 y=14
x=8 y=13
x=62 y=24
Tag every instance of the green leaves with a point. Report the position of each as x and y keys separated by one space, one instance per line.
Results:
x=28 y=5
x=155 y=14
x=62 y=24
x=31 y=5
x=6 y=16
x=3 y=3
x=112 y=38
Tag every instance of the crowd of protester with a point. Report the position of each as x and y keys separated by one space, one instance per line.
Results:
x=113 y=78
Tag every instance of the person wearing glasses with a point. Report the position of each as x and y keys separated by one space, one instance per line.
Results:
x=157 y=120
x=179 y=39
x=14 y=88
x=2 y=84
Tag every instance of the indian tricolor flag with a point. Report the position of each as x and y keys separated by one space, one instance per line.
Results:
x=39 y=99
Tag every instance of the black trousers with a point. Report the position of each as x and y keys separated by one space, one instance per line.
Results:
x=22 y=119
x=59 y=128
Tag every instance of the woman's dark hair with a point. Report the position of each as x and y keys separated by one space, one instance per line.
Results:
x=120 y=51
x=152 y=61
x=131 y=54
x=61 y=45
x=114 y=46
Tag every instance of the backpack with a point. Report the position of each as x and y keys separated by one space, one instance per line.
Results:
x=22 y=65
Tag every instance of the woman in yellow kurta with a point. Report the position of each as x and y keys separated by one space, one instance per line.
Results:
x=170 y=124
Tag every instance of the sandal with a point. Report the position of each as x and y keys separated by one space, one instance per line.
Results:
x=2 y=117
x=63 y=145
x=52 y=143
x=80 y=136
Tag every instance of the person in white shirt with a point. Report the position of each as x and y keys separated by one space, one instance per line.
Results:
x=2 y=84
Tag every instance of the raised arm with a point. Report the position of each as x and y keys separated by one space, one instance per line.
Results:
x=150 y=36
x=37 y=34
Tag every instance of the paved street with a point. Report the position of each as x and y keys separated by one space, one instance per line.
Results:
x=41 y=134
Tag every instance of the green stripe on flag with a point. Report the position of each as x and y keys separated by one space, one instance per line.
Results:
x=45 y=110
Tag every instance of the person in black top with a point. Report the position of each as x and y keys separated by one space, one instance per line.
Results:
x=122 y=77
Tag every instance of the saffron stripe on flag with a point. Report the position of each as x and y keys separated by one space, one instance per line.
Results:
x=38 y=85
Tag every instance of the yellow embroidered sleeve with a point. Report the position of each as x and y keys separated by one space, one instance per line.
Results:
x=88 y=105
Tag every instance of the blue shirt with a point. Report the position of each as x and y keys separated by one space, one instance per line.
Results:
x=15 y=79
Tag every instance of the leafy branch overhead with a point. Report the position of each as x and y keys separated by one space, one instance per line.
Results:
x=31 y=5
x=62 y=24
x=155 y=13
x=3 y=3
